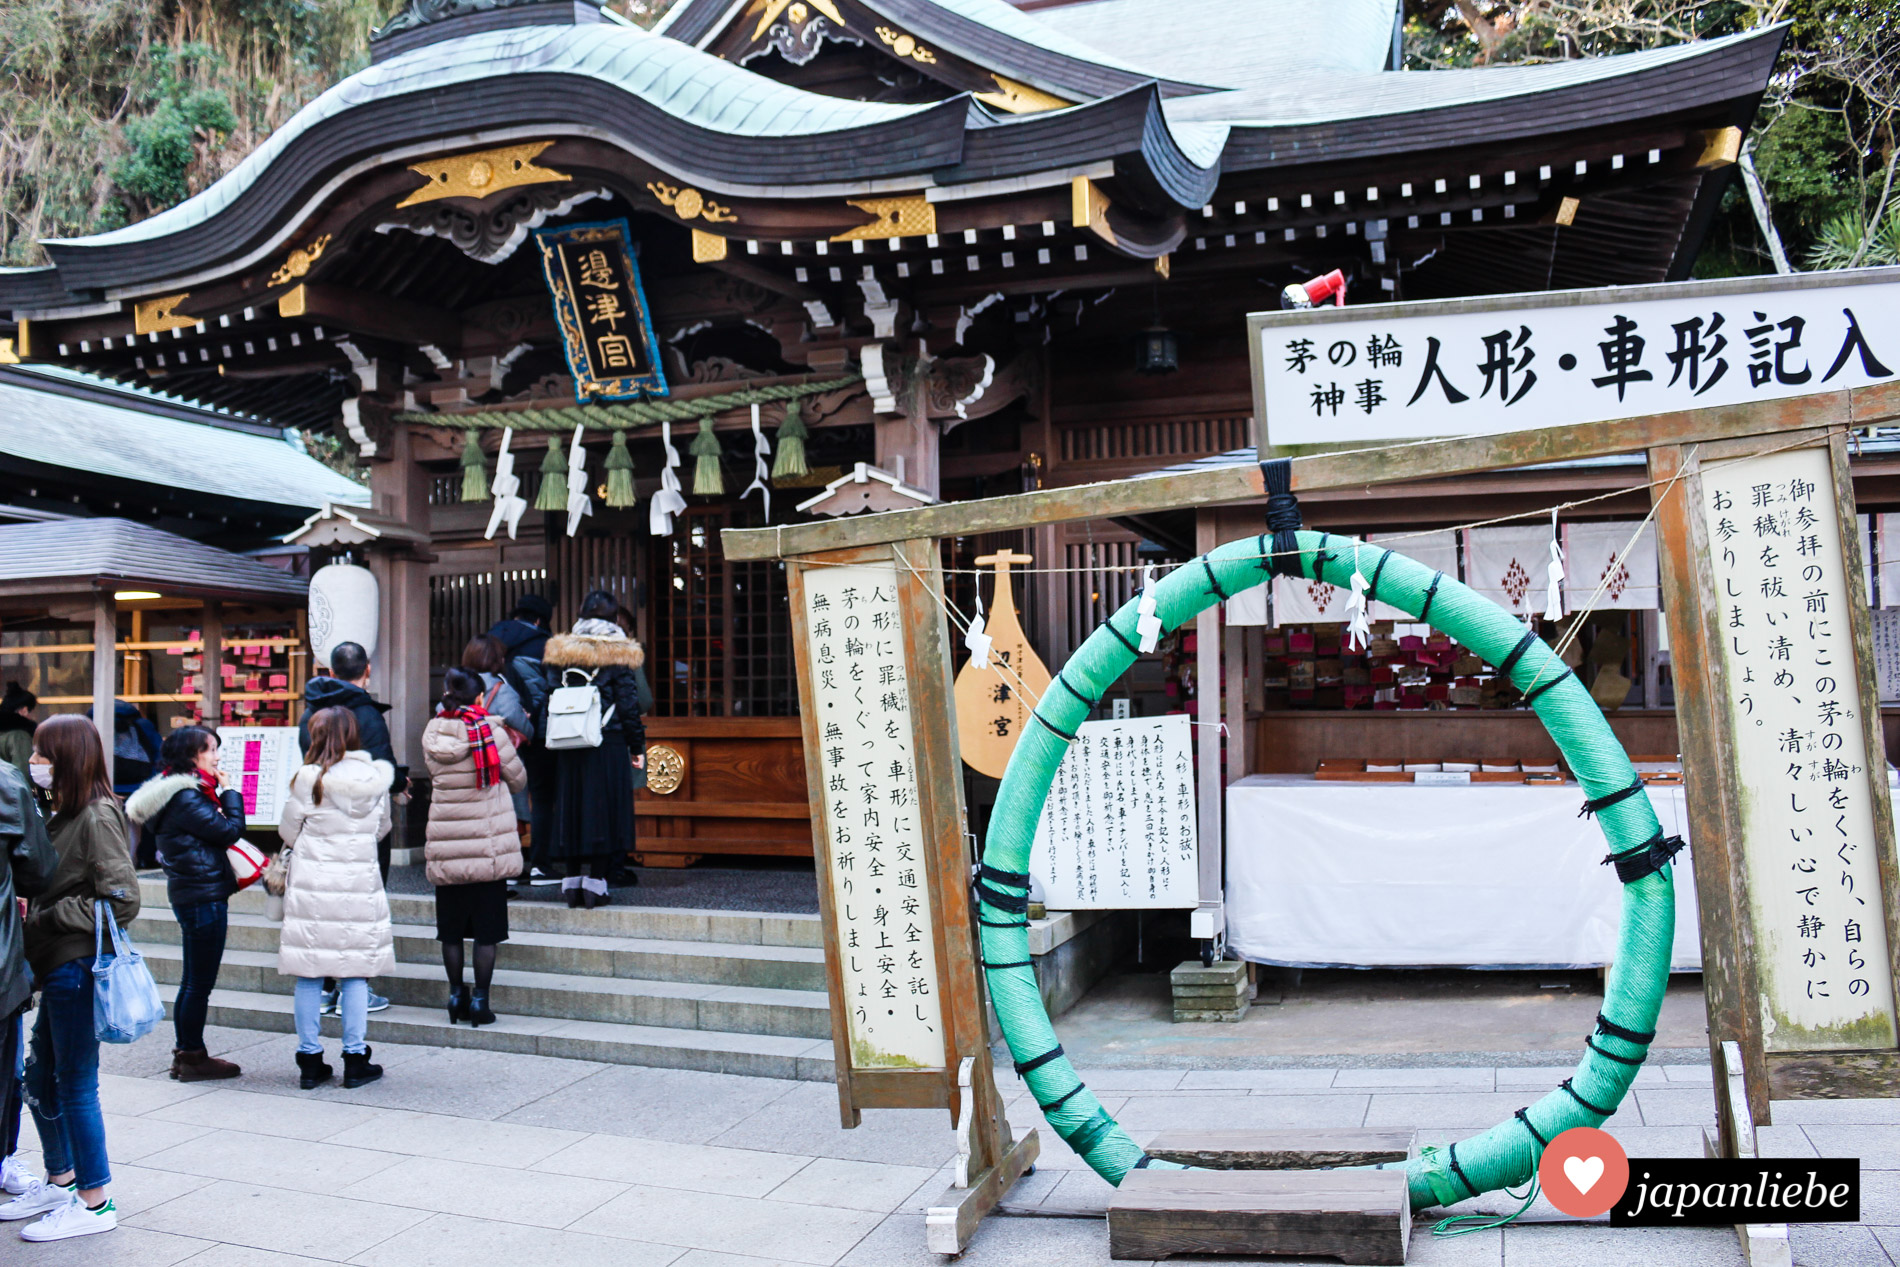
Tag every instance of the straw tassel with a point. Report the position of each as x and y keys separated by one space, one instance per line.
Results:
x=708 y=479
x=474 y=469
x=619 y=473
x=553 y=494
x=790 y=461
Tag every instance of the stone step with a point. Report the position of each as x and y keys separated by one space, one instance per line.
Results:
x=713 y=1051
x=677 y=1005
x=540 y=912
x=653 y=959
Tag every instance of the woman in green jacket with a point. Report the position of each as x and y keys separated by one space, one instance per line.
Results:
x=89 y=834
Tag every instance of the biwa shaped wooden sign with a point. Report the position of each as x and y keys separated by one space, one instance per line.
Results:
x=991 y=708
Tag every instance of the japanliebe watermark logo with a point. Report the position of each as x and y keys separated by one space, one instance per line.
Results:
x=1585 y=1173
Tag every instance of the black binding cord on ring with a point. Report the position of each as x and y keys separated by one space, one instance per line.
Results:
x=1213 y=584
x=1591 y=1043
x=1425 y=612
x=1283 y=516
x=1086 y=701
x=1531 y=695
x=1145 y=1162
x=1013 y=903
x=1015 y=879
x=1604 y=802
x=1014 y=963
x=1517 y=653
x=992 y=923
x=1600 y=1112
x=1037 y=1062
x=1458 y=1170
x=1052 y=728
x=1060 y=1100
x=1372 y=586
x=1635 y=1037
x=1524 y=1115
x=1647 y=858
x=1121 y=637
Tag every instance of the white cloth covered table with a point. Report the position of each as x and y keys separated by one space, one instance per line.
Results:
x=1402 y=875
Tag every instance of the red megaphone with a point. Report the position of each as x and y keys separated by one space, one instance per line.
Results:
x=1311 y=294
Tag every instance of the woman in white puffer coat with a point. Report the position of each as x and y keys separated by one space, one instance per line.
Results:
x=336 y=914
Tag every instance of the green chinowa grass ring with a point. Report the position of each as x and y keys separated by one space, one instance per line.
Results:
x=1506 y=1154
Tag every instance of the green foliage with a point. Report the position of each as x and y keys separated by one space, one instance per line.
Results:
x=163 y=143
x=1840 y=239
x=1807 y=163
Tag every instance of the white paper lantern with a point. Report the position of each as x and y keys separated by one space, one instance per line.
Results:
x=343 y=608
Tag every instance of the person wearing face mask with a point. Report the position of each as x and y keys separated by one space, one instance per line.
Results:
x=194 y=814
x=89 y=834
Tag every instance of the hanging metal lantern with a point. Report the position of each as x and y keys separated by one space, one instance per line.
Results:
x=1157 y=351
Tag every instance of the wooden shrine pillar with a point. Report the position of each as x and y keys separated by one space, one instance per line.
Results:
x=210 y=665
x=105 y=665
x=908 y=443
x=400 y=670
x=1209 y=919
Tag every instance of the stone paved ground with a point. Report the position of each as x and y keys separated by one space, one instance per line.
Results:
x=478 y=1159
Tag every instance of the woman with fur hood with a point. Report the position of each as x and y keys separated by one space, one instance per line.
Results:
x=336 y=915
x=593 y=787
x=192 y=814
x=472 y=848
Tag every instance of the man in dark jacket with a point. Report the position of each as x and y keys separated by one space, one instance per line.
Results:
x=29 y=862
x=524 y=637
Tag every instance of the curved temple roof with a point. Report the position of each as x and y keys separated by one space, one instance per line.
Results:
x=1283 y=93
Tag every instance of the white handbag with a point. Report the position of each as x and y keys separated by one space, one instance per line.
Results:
x=575 y=718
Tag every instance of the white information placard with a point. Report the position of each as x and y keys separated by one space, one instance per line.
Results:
x=873 y=830
x=1886 y=628
x=1800 y=754
x=1118 y=831
x=260 y=760
x=1468 y=367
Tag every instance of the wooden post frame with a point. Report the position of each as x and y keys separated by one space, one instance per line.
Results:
x=1843 y=924
x=871 y=644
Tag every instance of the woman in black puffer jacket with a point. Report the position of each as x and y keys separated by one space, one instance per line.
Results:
x=194 y=814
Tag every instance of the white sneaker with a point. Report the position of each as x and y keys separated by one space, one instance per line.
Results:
x=14 y=1177
x=72 y=1219
x=39 y=1197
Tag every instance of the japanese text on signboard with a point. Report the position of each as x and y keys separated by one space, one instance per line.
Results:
x=1434 y=370
x=1799 y=751
x=872 y=824
x=601 y=310
x=1118 y=831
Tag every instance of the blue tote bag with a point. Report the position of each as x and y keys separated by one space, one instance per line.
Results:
x=125 y=1002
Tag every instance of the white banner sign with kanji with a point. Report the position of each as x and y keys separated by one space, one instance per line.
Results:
x=1476 y=367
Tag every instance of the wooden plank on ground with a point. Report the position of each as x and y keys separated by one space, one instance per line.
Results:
x=1282 y=1149
x=1354 y=1216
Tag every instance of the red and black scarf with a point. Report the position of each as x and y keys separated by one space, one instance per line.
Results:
x=481 y=745
x=208 y=782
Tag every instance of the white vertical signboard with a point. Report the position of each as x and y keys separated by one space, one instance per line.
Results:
x=872 y=824
x=1118 y=831
x=1800 y=754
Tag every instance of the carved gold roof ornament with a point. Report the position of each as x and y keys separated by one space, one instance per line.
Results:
x=1088 y=208
x=298 y=262
x=1015 y=98
x=896 y=218
x=154 y=316
x=796 y=10
x=708 y=248
x=905 y=45
x=690 y=204
x=7 y=355
x=481 y=174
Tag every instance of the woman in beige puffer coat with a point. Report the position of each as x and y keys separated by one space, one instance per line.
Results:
x=472 y=848
x=336 y=915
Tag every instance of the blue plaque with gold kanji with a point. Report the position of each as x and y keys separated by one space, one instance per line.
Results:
x=601 y=310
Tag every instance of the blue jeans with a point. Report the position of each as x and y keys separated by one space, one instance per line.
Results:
x=353 y=1001
x=203 y=926
x=62 y=1077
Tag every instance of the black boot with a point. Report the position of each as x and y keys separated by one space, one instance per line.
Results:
x=575 y=896
x=479 y=1012
x=315 y=1070
x=458 y=1004
x=357 y=1070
